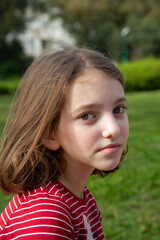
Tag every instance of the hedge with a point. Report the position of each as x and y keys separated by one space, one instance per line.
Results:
x=141 y=75
x=9 y=86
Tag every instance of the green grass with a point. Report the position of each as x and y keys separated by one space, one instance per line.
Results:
x=5 y=102
x=129 y=198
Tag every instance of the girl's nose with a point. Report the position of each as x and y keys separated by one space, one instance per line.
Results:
x=110 y=128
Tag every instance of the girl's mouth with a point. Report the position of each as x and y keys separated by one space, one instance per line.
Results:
x=110 y=149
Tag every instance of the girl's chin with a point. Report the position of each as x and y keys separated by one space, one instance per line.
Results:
x=110 y=166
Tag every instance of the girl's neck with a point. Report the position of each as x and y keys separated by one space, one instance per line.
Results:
x=75 y=182
x=73 y=186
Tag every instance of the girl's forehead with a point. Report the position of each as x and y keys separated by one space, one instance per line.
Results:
x=93 y=85
x=94 y=80
x=88 y=74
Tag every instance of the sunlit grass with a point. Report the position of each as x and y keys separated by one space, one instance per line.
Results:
x=129 y=198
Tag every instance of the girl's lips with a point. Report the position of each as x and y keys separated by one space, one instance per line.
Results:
x=110 y=149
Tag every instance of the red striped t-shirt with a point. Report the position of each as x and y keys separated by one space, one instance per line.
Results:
x=51 y=212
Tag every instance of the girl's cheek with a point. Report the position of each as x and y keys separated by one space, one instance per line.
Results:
x=126 y=128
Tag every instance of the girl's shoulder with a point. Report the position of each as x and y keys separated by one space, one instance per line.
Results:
x=49 y=210
x=34 y=202
x=38 y=207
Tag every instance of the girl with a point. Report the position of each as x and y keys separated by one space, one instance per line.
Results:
x=69 y=122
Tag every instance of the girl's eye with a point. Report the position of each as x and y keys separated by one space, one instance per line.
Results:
x=86 y=116
x=119 y=110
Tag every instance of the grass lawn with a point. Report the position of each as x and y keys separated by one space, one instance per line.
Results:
x=129 y=198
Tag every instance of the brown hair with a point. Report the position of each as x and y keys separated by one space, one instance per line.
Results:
x=25 y=163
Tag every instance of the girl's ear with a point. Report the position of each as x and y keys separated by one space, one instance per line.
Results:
x=51 y=143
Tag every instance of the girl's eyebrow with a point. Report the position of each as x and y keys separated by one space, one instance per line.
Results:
x=94 y=105
x=122 y=99
x=85 y=106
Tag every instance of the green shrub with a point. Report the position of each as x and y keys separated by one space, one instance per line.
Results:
x=142 y=74
x=139 y=75
x=9 y=86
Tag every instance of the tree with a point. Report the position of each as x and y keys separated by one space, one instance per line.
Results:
x=93 y=23
x=13 y=20
x=13 y=15
x=98 y=24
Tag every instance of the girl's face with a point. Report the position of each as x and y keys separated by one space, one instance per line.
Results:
x=93 y=127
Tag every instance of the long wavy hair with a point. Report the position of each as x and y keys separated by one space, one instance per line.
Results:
x=25 y=163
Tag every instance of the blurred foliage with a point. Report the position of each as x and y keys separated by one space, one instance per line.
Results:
x=13 y=61
x=12 y=17
x=94 y=24
x=13 y=21
x=98 y=24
